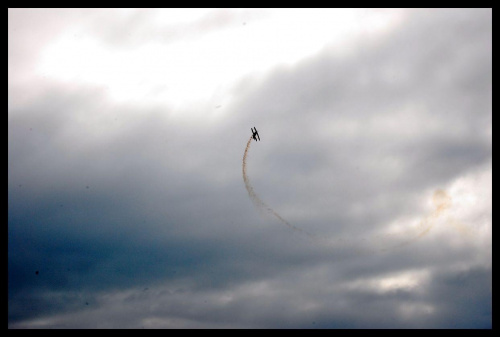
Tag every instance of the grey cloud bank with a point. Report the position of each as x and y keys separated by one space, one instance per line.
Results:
x=141 y=211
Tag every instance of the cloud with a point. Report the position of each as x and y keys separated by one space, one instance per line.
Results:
x=137 y=215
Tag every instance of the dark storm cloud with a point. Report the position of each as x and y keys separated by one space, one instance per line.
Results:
x=145 y=217
x=463 y=309
x=98 y=217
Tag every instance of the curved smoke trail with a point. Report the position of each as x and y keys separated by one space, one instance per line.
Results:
x=258 y=203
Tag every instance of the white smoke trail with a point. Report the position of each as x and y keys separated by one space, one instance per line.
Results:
x=258 y=203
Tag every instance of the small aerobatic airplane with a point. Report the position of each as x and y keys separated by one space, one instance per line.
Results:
x=255 y=133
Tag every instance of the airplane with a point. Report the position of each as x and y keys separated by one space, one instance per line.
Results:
x=255 y=133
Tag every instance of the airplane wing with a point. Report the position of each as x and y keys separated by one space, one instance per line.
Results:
x=255 y=133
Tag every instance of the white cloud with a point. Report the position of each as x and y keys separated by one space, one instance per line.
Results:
x=413 y=281
x=192 y=69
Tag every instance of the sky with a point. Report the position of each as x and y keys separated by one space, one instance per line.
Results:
x=138 y=199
